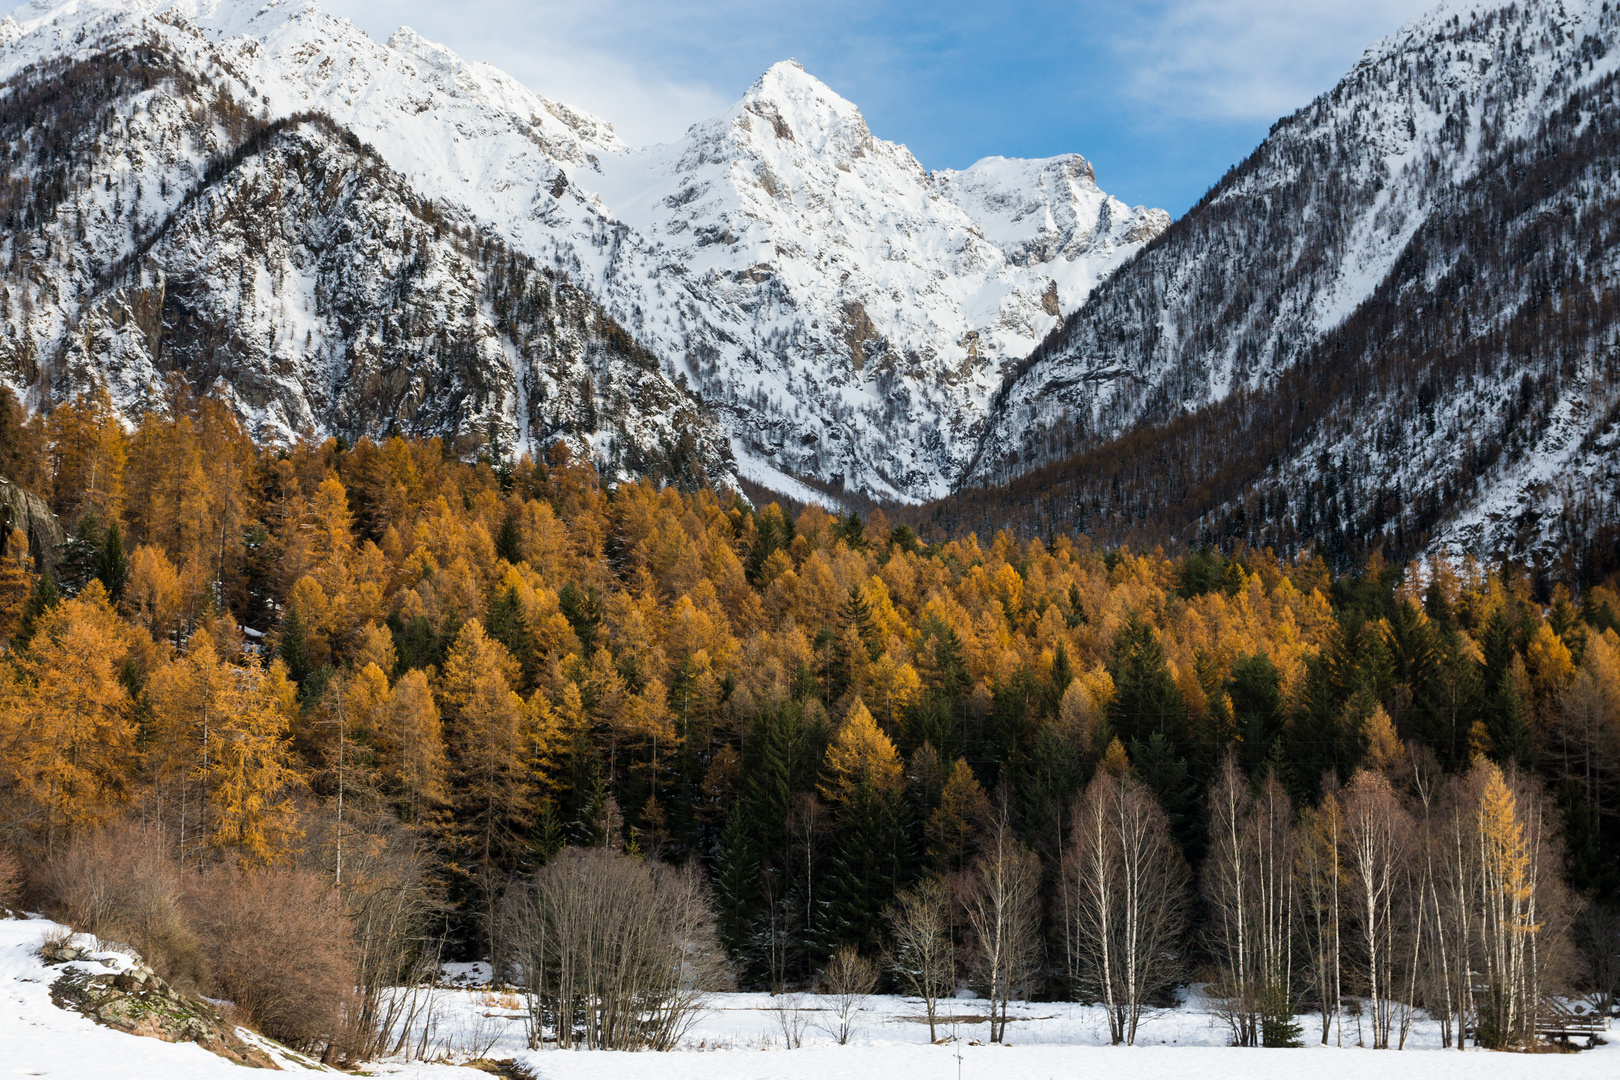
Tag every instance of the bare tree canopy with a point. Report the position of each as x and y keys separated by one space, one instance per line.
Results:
x=1002 y=900
x=1123 y=901
x=614 y=953
x=923 y=957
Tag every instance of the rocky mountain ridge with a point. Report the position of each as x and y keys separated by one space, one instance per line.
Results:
x=844 y=312
x=1451 y=198
x=155 y=228
x=1391 y=325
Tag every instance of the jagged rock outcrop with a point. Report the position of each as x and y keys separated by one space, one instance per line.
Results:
x=22 y=509
x=120 y=991
x=848 y=311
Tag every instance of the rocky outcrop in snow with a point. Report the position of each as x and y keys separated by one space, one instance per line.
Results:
x=115 y=989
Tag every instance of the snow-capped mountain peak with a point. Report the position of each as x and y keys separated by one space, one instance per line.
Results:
x=847 y=313
x=1393 y=280
x=798 y=107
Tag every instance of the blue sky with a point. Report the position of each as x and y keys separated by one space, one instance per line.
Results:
x=1162 y=96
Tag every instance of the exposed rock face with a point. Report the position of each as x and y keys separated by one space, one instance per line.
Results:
x=1412 y=278
x=22 y=509
x=284 y=267
x=121 y=992
x=847 y=311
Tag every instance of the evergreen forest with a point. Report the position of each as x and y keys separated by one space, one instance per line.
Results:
x=418 y=681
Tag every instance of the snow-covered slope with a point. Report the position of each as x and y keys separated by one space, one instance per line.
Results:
x=154 y=228
x=37 y=1038
x=849 y=311
x=738 y=1038
x=846 y=312
x=1428 y=209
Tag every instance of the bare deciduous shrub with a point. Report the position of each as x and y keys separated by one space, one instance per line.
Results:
x=788 y=1009
x=614 y=953
x=122 y=883
x=392 y=911
x=848 y=979
x=281 y=948
x=55 y=936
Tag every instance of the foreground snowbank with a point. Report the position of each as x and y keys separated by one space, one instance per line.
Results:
x=740 y=1038
x=39 y=1039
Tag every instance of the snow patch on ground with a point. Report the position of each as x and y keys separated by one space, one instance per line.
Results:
x=739 y=1038
x=39 y=1039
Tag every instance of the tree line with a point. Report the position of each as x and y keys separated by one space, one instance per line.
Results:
x=433 y=690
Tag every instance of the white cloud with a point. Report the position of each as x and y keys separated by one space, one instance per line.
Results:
x=642 y=107
x=1251 y=59
x=557 y=50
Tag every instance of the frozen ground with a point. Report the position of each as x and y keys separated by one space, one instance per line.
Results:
x=739 y=1038
x=39 y=1039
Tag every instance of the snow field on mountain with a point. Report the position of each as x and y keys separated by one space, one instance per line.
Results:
x=847 y=313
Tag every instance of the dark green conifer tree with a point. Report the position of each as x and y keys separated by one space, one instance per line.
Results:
x=508 y=626
x=293 y=648
x=112 y=565
x=864 y=872
x=508 y=542
x=1146 y=699
x=43 y=597
x=1255 y=692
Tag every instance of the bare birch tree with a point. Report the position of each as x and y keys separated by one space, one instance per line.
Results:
x=1228 y=890
x=1321 y=875
x=1250 y=885
x=1124 y=901
x=1503 y=912
x=923 y=959
x=1376 y=838
x=1001 y=899
x=1453 y=889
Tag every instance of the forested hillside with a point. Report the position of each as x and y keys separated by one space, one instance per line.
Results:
x=1392 y=326
x=408 y=682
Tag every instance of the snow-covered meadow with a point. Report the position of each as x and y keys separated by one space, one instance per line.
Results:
x=740 y=1037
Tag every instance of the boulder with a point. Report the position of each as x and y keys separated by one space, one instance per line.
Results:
x=138 y=1001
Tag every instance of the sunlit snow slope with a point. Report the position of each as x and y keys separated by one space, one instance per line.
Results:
x=845 y=312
